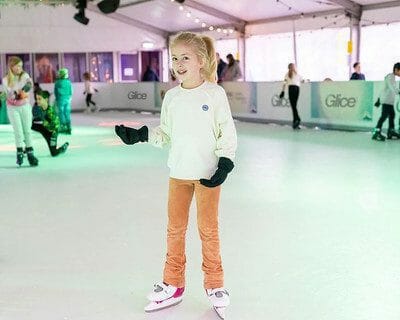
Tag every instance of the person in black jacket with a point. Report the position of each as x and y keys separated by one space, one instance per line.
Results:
x=151 y=74
x=357 y=75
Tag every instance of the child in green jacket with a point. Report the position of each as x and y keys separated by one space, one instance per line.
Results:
x=63 y=93
x=46 y=121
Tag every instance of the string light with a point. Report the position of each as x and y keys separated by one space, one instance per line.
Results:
x=336 y=20
x=204 y=25
x=289 y=7
x=373 y=22
x=324 y=2
x=368 y=22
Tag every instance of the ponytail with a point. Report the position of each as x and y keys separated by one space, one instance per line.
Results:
x=210 y=64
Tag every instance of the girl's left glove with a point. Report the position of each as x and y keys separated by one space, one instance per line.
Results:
x=225 y=166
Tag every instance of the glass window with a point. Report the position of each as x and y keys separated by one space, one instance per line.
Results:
x=268 y=56
x=76 y=65
x=129 y=67
x=379 y=50
x=45 y=68
x=101 y=66
x=25 y=57
x=323 y=54
x=150 y=65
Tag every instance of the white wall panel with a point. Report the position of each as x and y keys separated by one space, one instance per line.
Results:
x=48 y=29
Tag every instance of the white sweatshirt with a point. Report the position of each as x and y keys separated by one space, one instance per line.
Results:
x=197 y=125
x=18 y=84
x=294 y=81
x=88 y=87
x=390 y=90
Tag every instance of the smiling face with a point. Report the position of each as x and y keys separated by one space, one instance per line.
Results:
x=186 y=66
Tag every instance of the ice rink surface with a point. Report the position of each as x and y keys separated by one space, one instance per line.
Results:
x=309 y=224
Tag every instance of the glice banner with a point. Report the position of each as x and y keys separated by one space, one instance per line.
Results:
x=349 y=101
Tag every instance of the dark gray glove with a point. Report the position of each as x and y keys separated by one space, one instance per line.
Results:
x=282 y=94
x=131 y=135
x=225 y=166
x=27 y=87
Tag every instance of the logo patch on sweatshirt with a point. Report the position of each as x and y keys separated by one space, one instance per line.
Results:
x=204 y=107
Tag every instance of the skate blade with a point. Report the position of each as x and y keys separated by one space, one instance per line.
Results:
x=154 y=306
x=220 y=311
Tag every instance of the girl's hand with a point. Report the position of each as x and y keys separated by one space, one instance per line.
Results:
x=21 y=95
x=225 y=166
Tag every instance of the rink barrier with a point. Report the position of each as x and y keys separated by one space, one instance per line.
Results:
x=343 y=105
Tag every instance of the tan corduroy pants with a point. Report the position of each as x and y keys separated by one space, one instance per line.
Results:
x=207 y=199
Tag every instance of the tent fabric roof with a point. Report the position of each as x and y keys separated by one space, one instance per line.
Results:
x=43 y=28
x=165 y=14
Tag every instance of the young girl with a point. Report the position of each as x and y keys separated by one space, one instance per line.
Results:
x=293 y=80
x=89 y=91
x=387 y=98
x=63 y=92
x=197 y=124
x=17 y=84
x=47 y=123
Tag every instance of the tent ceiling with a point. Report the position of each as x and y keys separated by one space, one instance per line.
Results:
x=165 y=14
x=250 y=17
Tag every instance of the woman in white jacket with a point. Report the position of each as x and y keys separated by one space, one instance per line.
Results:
x=293 y=80
x=17 y=84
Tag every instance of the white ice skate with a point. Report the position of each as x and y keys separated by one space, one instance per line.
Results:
x=219 y=298
x=163 y=296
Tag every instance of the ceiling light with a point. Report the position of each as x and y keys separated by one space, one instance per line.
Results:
x=147 y=45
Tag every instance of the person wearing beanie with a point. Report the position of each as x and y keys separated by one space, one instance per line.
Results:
x=63 y=92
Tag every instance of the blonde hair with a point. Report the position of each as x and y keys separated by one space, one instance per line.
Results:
x=204 y=48
x=13 y=61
